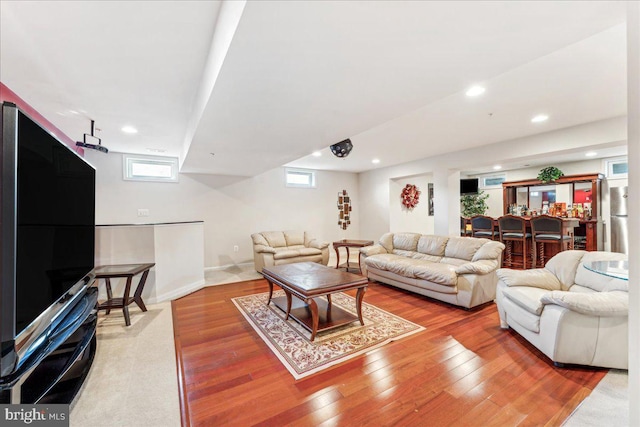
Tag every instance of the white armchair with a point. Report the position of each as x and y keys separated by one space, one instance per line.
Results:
x=569 y=313
x=286 y=247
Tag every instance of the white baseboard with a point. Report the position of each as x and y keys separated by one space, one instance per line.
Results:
x=177 y=293
x=224 y=267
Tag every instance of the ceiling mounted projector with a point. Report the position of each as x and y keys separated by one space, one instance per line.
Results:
x=342 y=148
x=85 y=144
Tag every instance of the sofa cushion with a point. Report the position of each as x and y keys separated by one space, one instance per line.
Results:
x=309 y=251
x=283 y=253
x=527 y=298
x=406 y=241
x=443 y=274
x=432 y=245
x=463 y=247
x=275 y=238
x=594 y=304
x=294 y=238
x=382 y=261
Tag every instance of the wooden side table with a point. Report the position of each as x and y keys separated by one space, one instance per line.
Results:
x=347 y=243
x=108 y=272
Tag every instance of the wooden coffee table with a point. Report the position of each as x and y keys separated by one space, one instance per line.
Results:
x=309 y=281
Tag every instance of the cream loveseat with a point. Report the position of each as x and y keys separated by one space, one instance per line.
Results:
x=569 y=313
x=286 y=247
x=456 y=270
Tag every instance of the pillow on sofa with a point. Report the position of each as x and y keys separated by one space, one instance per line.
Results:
x=432 y=245
x=405 y=241
x=593 y=304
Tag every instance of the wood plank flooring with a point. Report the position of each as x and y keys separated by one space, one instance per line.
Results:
x=462 y=371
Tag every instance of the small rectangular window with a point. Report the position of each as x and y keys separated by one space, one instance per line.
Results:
x=300 y=178
x=617 y=168
x=158 y=169
x=493 y=181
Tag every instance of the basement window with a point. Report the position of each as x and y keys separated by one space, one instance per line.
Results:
x=493 y=181
x=617 y=168
x=300 y=178
x=147 y=168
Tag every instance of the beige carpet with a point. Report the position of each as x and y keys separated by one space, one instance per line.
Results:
x=302 y=357
x=607 y=405
x=133 y=380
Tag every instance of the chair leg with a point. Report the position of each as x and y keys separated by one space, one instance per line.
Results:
x=541 y=254
x=507 y=260
x=524 y=254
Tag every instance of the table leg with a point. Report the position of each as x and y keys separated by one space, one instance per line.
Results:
x=109 y=293
x=359 y=297
x=270 y=291
x=314 y=317
x=347 y=270
x=288 y=294
x=125 y=302
x=137 y=296
x=337 y=249
x=328 y=302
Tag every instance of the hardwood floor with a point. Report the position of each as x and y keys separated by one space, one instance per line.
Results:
x=462 y=371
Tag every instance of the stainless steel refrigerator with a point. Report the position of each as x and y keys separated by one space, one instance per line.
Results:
x=619 y=220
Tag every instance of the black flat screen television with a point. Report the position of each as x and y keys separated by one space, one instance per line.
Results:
x=48 y=231
x=468 y=186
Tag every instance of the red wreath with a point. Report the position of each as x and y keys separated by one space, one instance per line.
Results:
x=410 y=196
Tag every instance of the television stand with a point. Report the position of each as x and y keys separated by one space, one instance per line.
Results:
x=57 y=378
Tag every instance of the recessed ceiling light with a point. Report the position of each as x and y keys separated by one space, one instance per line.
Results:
x=316 y=154
x=591 y=154
x=475 y=91
x=375 y=161
x=540 y=118
x=497 y=167
x=129 y=129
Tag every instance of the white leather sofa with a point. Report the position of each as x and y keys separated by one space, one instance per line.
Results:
x=286 y=247
x=571 y=314
x=456 y=270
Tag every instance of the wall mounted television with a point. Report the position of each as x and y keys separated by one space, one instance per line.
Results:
x=468 y=186
x=47 y=227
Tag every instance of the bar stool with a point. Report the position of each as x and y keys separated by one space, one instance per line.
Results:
x=482 y=226
x=547 y=229
x=463 y=227
x=514 y=229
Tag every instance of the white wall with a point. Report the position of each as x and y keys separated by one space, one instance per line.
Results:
x=402 y=219
x=231 y=208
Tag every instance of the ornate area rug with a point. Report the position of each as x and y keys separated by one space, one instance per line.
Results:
x=291 y=343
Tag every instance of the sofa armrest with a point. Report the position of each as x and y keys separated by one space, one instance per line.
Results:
x=536 y=278
x=605 y=304
x=315 y=243
x=373 y=250
x=484 y=266
x=264 y=249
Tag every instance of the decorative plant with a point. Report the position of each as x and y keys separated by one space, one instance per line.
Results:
x=474 y=204
x=550 y=173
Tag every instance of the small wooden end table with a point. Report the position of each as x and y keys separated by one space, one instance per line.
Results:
x=347 y=243
x=308 y=281
x=108 y=272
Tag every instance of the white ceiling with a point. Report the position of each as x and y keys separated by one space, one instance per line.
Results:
x=268 y=85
